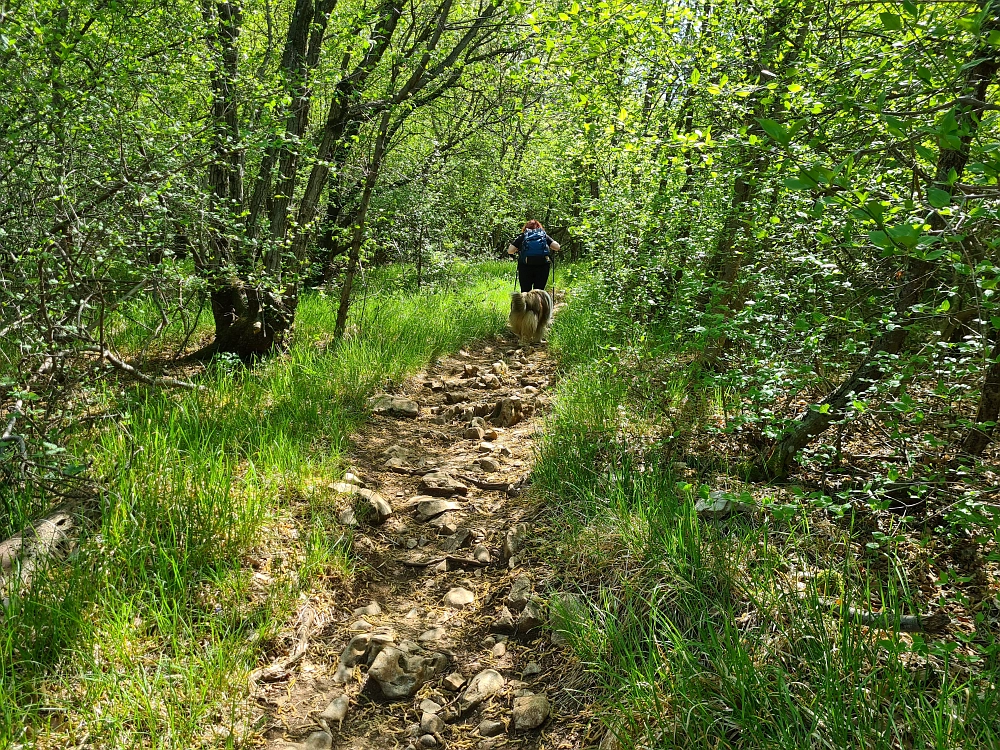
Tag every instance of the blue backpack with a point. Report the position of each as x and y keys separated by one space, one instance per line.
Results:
x=535 y=246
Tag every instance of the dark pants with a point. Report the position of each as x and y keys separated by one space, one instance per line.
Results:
x=532 y=277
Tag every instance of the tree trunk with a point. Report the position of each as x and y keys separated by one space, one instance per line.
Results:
x=359 y=226
x=980 y=434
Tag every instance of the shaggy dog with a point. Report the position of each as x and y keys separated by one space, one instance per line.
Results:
x=529 y=314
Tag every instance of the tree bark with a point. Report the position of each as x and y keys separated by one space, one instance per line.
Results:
x=980 y=434
x=359 y=226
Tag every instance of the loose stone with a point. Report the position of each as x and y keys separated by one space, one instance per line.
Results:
x=337 y=709
x=490 y=728
x=431 y=724
x=459 y=597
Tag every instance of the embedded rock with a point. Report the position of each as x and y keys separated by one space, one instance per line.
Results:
x=395 y=406
x=520 y=592
x=484 y=686
x=515 y=540
x=431 y=507
x=399 y=675
x=530 y=712
x=441 y=484
x=531 y=617
x=336 y=710
x=352 y=655
x=459 y=597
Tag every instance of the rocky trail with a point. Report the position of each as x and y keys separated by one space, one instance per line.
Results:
x=453 y=636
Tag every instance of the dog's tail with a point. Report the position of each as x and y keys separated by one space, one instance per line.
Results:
x=517 y=303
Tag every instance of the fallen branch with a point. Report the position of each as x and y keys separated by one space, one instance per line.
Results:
x=278 y=669
x=930 y=623
x=9 y=436
x=141 y=376
x=452 y=559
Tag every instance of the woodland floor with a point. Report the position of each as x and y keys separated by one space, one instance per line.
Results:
x=406 y=566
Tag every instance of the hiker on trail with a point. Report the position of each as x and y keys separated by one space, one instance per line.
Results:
x=533 y=248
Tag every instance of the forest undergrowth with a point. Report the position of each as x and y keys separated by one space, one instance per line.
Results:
x=746 y=630
x=145 y=635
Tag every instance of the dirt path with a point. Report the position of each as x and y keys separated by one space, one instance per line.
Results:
x=448 y=643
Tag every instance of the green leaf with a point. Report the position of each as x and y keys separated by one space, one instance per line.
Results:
x=880 y=239
x=695 y=77
x=775 y=130
x=797 y=183
x=995 y=322
x=890 y=21
x=938 y=198
x=910 y=8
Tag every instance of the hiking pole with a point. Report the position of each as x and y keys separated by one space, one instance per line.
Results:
x=553 y=279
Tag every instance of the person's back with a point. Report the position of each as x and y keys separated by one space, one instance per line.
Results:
x=533 y=248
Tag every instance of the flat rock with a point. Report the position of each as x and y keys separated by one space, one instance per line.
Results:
x=508 y=412
x=434 y=634
x=431 y=507
x=490 y=728
x=486 y=447
x=372 y=609
x=481 y=553
x=428 y=740
x=455 y=397
x=567 y=613
x=370 y=507
x=531 y=669
x=719 y=505
x=473 y=433
x=441 y=484
x=530 y=712
x=428 y=706
x=395 y=406
x=454 y=681
x=457 y=540
x=459 y=597
x=483 y=686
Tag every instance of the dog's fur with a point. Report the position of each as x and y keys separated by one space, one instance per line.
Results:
x=530 y=312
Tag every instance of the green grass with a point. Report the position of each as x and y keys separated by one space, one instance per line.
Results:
x=697 y=637
x=145 y=636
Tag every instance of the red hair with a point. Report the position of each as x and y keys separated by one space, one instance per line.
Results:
x=533 y=224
